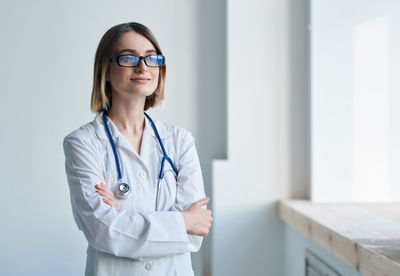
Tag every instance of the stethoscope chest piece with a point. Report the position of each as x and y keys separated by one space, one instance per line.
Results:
x=122 y=190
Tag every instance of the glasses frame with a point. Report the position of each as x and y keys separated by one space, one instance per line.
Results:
x=116 y=60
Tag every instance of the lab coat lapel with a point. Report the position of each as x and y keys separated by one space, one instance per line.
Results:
x=148 y=143
x=119 y=139
x=151 y=152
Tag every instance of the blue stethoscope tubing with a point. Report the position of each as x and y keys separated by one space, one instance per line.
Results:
x=117 y=161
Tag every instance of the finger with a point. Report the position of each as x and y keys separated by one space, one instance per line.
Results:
x=99 y=187
x=104 y=193
x=205 y=231
x=105 y=187
x=111 y=203
x=110 y=194
x=106 y=200
x=202 y=202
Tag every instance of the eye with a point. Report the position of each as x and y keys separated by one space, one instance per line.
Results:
x=160 y=60
x=155 y=60
x=127 y=60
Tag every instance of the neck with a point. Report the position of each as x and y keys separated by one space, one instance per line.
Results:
x=128 y=116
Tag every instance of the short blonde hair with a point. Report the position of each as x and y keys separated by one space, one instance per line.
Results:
x=101 y=92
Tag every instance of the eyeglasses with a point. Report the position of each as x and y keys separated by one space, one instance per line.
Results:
x=133 y=61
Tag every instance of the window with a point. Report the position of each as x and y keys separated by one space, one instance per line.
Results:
x=355 y=100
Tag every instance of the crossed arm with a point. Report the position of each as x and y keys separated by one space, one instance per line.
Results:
x=197 y=220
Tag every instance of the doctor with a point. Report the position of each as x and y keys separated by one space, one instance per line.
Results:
x=135 y=183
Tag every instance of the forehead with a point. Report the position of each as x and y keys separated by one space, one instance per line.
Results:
x=134 y=41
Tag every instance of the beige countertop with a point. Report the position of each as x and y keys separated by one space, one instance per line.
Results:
x=366 y=236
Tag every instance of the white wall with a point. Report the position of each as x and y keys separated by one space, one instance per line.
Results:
x=267 y=135
x=47 y=54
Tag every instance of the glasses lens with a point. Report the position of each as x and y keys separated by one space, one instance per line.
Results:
x=155 y=60
x=128 y=60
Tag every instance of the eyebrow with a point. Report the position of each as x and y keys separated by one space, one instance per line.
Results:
x=134 y=51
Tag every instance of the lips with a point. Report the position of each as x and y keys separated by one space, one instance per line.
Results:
x=142 y=79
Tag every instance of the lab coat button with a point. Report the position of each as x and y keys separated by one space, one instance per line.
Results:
x=142 y=174
x=148 y=267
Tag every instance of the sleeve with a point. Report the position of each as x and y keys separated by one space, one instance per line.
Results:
x=190 y=186
x=124 y=233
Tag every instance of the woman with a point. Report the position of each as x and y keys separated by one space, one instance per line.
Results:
x=140 y=215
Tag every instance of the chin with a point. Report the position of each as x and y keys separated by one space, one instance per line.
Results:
x=145 y=93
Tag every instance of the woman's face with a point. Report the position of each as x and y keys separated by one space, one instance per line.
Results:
x=124 y=80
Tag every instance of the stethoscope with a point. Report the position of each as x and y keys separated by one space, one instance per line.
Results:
x=122 y=189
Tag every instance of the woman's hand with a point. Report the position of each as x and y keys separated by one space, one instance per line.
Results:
x=108 y=196
x=198 y=220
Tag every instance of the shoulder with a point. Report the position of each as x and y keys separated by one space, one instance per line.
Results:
x=84 y=133
x=173 y=131
x=82 y=137
x=181 y=137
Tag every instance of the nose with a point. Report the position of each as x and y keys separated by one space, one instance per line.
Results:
x=141 y=66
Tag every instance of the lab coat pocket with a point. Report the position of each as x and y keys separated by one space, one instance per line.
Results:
x=167 y=189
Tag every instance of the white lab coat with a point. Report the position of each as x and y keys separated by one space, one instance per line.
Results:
x=137 y=240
